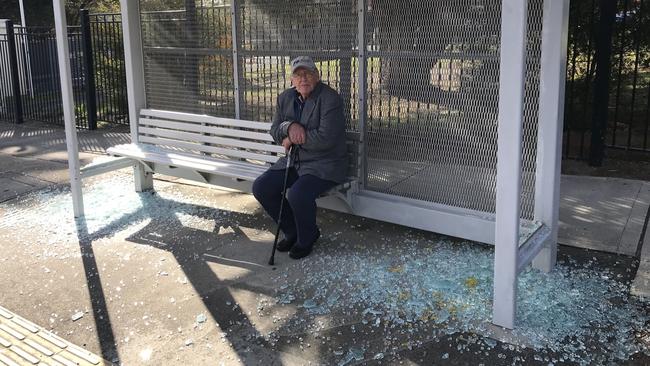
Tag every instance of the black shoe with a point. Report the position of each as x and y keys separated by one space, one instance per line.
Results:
x=297 y=252
x=285 y=245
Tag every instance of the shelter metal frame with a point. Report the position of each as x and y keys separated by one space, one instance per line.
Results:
x=516 y=245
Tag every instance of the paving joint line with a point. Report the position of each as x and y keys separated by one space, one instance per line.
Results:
x=25 y=343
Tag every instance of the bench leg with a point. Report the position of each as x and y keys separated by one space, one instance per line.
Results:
x=546 y=258
x=143 y=179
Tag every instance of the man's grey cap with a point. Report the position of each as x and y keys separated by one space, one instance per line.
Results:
x=302 y=61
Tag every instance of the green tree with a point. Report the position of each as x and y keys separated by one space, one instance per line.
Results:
x=72 y=8
x=41 y=13
x=10 y=10
x=156 y=5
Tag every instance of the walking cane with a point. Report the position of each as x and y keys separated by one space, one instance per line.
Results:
x=284 y=194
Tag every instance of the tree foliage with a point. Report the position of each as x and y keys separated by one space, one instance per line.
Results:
x=72 y=8
x=10 y=10
x=41 y=13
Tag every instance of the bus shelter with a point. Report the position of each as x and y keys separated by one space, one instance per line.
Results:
x=458 y=104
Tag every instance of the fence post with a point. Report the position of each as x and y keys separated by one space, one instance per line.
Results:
x=89 y=68
x=601 y=84
x=13 y=69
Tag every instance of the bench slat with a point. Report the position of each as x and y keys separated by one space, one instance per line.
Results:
x=191 y=157
x=210 y=129
x=190 y=136
x=222 y=146
x=227 y=168
x=213 y=165
x=209 y=149
x=179 y=116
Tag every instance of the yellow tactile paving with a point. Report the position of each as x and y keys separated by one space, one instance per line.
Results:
x=25 y=343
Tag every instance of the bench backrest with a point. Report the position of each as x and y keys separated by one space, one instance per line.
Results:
x=220 y=137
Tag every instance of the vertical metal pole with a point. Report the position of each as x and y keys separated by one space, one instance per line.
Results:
x=52 y=106
x=511 y=102
x=601 y=83
x=22 y=13
x=362 y=92
x=345 y=63
x=191 y=57
x=23 y=22
x=91 y=101
x=134 y=69
x=13 y=70
x=236 y=47
x=123 y=109
x=555 y=30
x=5 y=77
x=104 y=96
x=345 y=79
x=65 y=76
x=619 y=71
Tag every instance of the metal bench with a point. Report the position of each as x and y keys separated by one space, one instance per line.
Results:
x=220 y=151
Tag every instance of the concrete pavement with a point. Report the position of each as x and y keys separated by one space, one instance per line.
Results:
x=179 y=277
x=34 y=155
x=605 y=214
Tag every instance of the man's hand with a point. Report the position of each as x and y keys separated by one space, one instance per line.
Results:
x=286 y=143
x=296 y=133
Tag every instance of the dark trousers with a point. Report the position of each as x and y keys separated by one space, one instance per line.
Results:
x=299 y=211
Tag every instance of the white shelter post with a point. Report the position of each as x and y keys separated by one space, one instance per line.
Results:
x=65 y=76
x=134 y=67
x=508 y=198
x=555 y=31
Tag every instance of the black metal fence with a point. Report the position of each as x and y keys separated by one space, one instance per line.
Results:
x=107 y=64
x=31 y=88
x=41 y=91
x=620 y=34
x=10 y=103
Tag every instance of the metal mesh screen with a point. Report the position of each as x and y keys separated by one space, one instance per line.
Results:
x=432 y=81
x=433 y=84
x=531 y=107
x=188 y=57
x=273 y=32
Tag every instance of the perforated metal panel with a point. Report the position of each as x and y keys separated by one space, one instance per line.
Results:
x=432 y=81
x=433 y=84
x=531 y=107
x=273 y=32
x=188 y=57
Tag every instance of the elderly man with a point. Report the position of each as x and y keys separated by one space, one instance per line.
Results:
x=309 y=117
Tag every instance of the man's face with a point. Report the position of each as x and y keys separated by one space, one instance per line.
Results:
x=305 y=81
